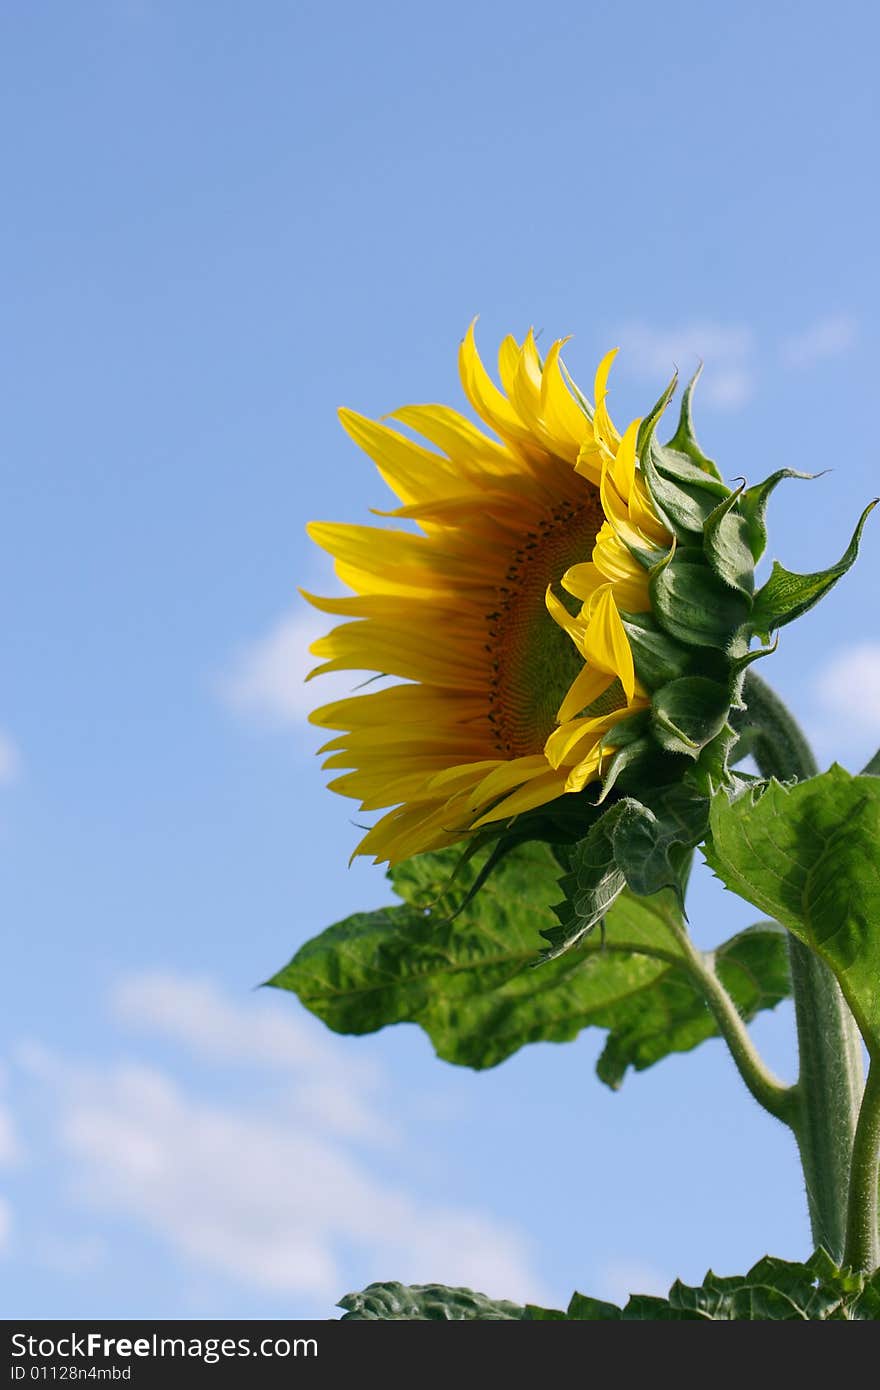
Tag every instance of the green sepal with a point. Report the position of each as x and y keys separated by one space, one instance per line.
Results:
x=753 y=506
x=678 y=468
x=648 y=556
x=656 y=657
x=683 y=496
x=633 y=757
x=693 y=605
x=787 y=596
x=740 y=663
x=649 y=423
x=688 y=713
x=726 y=544
x=685 y=440
x=654 y=848
x=591 y=886
x=646 y=847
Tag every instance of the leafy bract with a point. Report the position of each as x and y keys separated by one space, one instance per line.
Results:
x=787 y=596
x=469 y=979
x=806 y=854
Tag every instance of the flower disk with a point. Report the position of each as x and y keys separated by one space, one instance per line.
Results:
x=500 y=616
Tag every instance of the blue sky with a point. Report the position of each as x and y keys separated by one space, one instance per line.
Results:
x=222 y=222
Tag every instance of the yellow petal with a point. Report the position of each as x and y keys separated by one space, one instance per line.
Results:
x=414 y=473
x=482 y=392
x=563 y=415
x=624 y=465
x=587 y=686
x=560 y=614
x=605 y=643
x=537 y=792
x=585 y=771
x=602 y=422
x=563 y=744
x=506 y=775
x=458 y=438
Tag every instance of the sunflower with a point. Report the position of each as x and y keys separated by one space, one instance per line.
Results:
x=499 y=615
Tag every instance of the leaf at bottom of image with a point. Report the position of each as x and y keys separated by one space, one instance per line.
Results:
x=772 y=1291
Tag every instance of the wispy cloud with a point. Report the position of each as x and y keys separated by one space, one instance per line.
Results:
x=266 y=680
x=825 y=338
x=10 y=759
x=849 y=686
x=845 y=722
x=339 y=1091
x=261 y=1191
x=651 y=353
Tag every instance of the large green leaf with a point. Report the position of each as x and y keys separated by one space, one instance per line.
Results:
x=394 y=1302
x=772 y=1291
x=469 y=980
x=807 y=854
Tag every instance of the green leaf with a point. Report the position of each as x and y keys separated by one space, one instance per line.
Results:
x=471 y=984
x=688 y=713
x=774 y=1290
x=428 y=1303
x=787 y=596
x=693 y=605
x=806 y=854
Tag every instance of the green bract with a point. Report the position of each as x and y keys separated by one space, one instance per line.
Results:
x=691 y=653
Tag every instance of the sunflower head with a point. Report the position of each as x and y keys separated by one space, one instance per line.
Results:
x=563 y=615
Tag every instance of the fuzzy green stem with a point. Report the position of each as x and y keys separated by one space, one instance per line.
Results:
x=777 y=1098
x=862 y=1249
x=831 y=1080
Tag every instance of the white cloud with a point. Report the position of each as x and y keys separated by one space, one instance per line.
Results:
x=726 y=350
x=849 y=687
x=10 y=759
x=828 y=337
x=337 y=1090
x=261 y=1191
x=267 y=678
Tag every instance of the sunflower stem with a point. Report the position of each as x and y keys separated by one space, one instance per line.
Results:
x=831 y=1080
x=771 y=1093
x=862 y=1249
